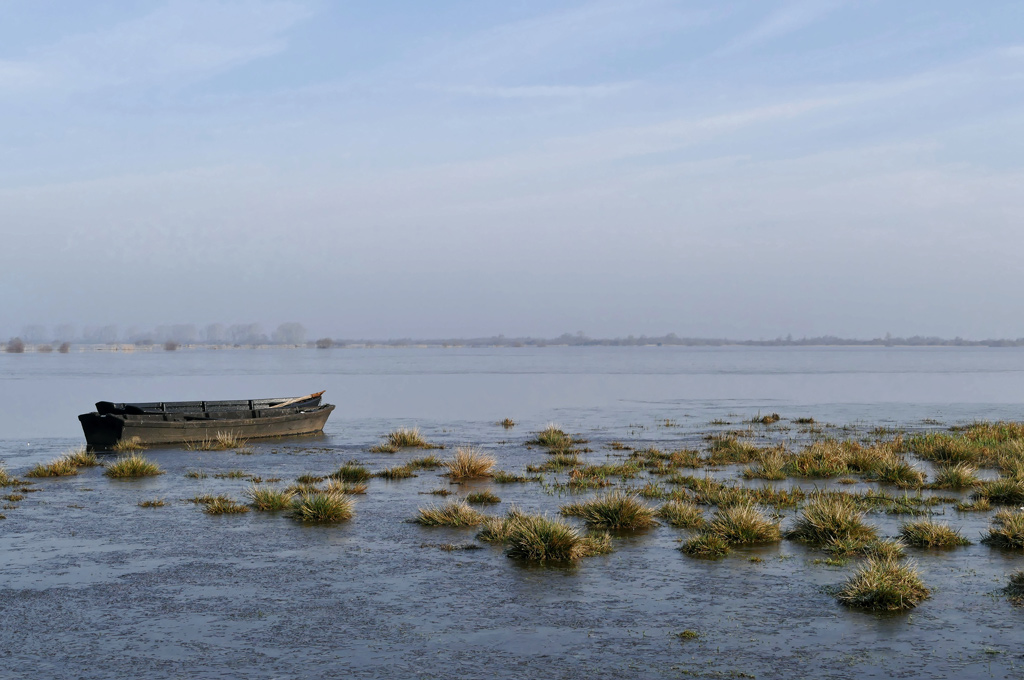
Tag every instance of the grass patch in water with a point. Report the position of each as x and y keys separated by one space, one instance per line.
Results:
x=769 y=464
x=682 y=514
x=132 y=466
x=469 y=463
x=61 y=467
x=507 y=423
x=504 y=477
x=82 y=457
x=1015 y=588
x=884 y=585
x=154 y=503
x=929 y=534
x=1006 y=530
x=483 y=498
x=404 y=438
x=537 y=538
x=232 y=474
x=497 y=529
x=452 y=514
x=976 y=505
x=829 y=518
x=1002 y=491
x=196 y=474
x=706 y=546
x=322 y=507
x=614 y=510
x=744 y=524
x=269 y=499
x=955 y=476
x=397 y=472
x=351 y=472
x=225 y=506
x=308 y=478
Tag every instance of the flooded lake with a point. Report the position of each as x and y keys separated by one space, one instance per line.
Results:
x=92 y=585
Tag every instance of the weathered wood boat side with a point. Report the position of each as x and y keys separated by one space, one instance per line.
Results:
x=141 y=408
x=104 y=430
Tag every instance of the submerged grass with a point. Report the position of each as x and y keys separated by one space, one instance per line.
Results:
x=452 y=514
x=929 y=534
x=225 y=506
x=132 y=466
x=351 y=472
x=1015 y=588
x=616 y=510
x=483 y=498
x=884 y=585
x=706 y=546
x=154 y=503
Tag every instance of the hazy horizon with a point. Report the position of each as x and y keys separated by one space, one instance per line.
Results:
x=458 y=169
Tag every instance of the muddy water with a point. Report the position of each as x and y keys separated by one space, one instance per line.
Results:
x=94 y=586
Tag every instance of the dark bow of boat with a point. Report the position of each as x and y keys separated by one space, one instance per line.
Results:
x=194 y=421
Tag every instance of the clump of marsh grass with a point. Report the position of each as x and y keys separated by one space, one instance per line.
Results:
x=396 y=472
x=706 y=546
x=205 y=499
x=425 y=463
x=829 y=518
x=884 y=549
x=553 y=437
x=309 y=478
x=884 y=585
x=728 y=450
x=404 y=438
x=899 y=473
x=537 y=538
x=614 y=510
x=132 y=466
x=1015 y=588
x=222 y=441
x=483 y=498
x=1002 y=491
x=225 y=506
x=439 y=492
x=322 y=507
x=6 y=479
x=61 y=467
x=1007 y=530
x=269 y=499
x=766 y=419
x=682 y=514
x=452 y=514
x=351 y=472
x=232 y=474
x=955 y=476
x=128 y=445
x=82 y=457
x=507 y=423
x=742 y=524
x=497 y=529
x=769 y=464
x=929 y=534
x=469 y=463
x=351 y=488
x=196 y=474
x=154 y=503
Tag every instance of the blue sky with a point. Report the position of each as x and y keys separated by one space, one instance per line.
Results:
x=747 y=169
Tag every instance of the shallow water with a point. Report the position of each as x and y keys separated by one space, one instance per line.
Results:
x=94 y=586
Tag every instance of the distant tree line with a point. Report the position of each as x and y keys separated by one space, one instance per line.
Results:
x=176 y=335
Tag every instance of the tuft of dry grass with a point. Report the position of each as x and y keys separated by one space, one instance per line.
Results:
x=1015 y=588
x=452 y=514
x=682 y=514
x=155 y=503
x=884 y=585
x=977 y=505
x=1007 y=530
x=222 y=441
x=928 y=534
x=196 y=474
x=1002 y=491
x=706 y=546
x=61 y=467
x=351 y=472
x=829 y=518
x=469 y=463
x=404 y=438
x=269 y=499
x=483 y=498
x=504 y=477
x=507 y=423
x=615 y=510
x=497 y=529
x=132 y=466
x=955 y=476
x=82 y=457
x=553 y=437
x=322 y=507
x=6 y=479
x=768 y=464
x=537 y=538
x=128 y=445
x=225 y=506
x=396 y=472
x=742 y=524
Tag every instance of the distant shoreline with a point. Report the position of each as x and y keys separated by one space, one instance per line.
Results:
x=15 y=346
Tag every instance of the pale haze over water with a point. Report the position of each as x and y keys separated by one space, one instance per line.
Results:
x=406 y=169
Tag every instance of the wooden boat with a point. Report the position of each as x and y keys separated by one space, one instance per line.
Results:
x=140 y=408
x=181 y=422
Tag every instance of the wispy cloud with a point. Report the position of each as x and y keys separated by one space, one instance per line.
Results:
x=789 y=19
x=538 y=91
x=181 y=40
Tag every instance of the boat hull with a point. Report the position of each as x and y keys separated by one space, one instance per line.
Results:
x=105 y=430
